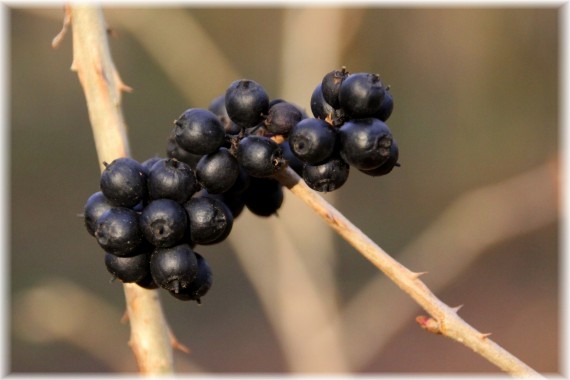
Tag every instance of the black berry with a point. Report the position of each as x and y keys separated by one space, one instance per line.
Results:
x=199 y=131
x=208 y=219
x=312 y=140
x=386 y=107
x=95 y=206
x=201 y=284
x=217 y=172
x=264 y=196
x=361 y=95
x=163 y=222
x=173 y=268
x=282 y=117
x=327 y=176
x=319 y=106
x=172 y=179
x=128 y=269
x=259 y=156
x=173 y=150
x=365 y=143
x=387 y=166
x=218 y=108
x=123 y=182
x=118 y=231
x=331 y=84
x=246 y=102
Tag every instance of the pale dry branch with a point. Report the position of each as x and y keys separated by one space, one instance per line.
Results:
x=471 y=224
x=444 y=319
x=150 y=340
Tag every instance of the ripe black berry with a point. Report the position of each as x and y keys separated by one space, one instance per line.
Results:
x=282 y=117
x=386 y=107
x=163 y=222
x=312 y=140
x=264 y=196
x=123 y=182
x=319 y=106
x=234 y=202
x=259 y=156
x=147 y=164
x=218 y=171
x=327 y=176
x=331 y=84
x=361 y=95
x=293 y=161
x=365 y=143
x=173 y=268
x=172 y=179
x=173 y=150
x=218 y=108
x=246 y=102
x=387 y=166
x=201 y=284
x=118 y=231
x=95 y=206
x=199 y=131
x=208 y=220
x=128 y=269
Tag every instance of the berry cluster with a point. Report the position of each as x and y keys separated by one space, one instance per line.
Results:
x=149 y=217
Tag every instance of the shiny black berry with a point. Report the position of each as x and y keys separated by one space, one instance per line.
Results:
x=361 y=95
x=217 y=172
x=327 y=176
x=246 y=102
x=208 y=220
x=386 y=107
x=218 y=108
x=259 y=156
x=173 y=150
x=118 y=231
x=128 y=269
x=95 y=206
x=173 y=268
x=163 y=222
x=172 y=179
x=199 y=131
x=312 y=140
x=387 y=166
x=282 y=117
x=147 y=164
x=331 y=84
x=201 y=284
x=319 y=106
x=365 y=143
x=123 y=182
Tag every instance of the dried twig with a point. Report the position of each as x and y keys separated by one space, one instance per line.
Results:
x=150 y=339
x=443 y=319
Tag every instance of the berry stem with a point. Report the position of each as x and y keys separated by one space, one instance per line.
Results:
x=150 y=339
x=445 y=318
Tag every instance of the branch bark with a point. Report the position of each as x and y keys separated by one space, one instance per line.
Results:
x=150 y=339
x=443 y=319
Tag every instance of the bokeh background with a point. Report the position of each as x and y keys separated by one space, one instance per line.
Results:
x=475 y=202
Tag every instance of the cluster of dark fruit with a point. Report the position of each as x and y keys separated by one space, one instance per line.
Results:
x=149 y=217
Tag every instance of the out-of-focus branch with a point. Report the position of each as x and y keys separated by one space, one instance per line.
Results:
x=443 y=319
x=102 y=86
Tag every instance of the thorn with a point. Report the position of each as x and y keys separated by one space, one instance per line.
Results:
x=417 y=275
x=456 y=308
x=485 y=335
x=125 y=317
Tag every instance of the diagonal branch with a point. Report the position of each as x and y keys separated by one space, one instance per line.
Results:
x=150 y=339
x=444 y=319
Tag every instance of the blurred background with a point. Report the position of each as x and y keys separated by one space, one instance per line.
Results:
x=475 y=202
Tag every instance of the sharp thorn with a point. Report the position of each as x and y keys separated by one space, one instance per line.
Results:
x=485 y=335
x=417 y=275
x=456 y=308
